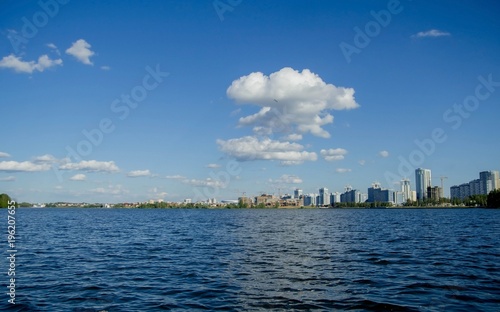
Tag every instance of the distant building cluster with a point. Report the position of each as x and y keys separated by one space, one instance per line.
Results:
x=487 y=182
x=424 y=191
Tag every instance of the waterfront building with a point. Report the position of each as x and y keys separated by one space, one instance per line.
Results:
x=464 y=190
x=297 y=193
x=335 y=197
x=413 y=195
x=399 y=198
x=406 y=190
x=455 y=192
x=422 y=182
x=350 y=196
x=434 y=193
x=377 y=194
x=309 y=200
x=266 y=199
x=487 y=182
x=324 y=197
x=247 y=201
x=475 y=187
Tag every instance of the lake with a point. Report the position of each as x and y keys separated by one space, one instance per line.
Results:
x=256 y=259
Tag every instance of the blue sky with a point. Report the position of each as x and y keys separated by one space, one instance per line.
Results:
x=226 y=97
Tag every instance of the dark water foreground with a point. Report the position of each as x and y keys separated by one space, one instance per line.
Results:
x=358 y=260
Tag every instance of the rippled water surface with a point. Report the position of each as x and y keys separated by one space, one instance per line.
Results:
x=304 y=259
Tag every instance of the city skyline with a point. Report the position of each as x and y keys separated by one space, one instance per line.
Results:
x=112 y=103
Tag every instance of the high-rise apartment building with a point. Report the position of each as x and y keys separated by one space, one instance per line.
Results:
x=297 y=193
x=487 y=182
x=324 y=197
x=406 y=190
x=423 y=180
x=377 y=194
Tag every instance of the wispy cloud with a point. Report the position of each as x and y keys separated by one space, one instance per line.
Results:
x=139 y=173
x=175 y=177
x=287 y=179
x=81 y=51
x=54 y=48
x=8 y=179
x=342 y=170
x=78 y=177
x=213 y=166
x=383 y=154
x=333 y=154
x=45 y=159
x=431 y=33
x=91 y=166
x=110 y=190
x=2 y=154
x=24 y=166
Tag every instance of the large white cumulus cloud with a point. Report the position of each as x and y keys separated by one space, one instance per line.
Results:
x=291 y=102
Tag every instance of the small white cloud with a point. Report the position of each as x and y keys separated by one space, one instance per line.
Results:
x=333 y=154
x=175 y=177
x=342 y=170
x=105 y=67
x=45 y=159
x=433 y=33
x=81 y=51
x=110 y=190
x=213 y=166
x=54 y=48
x=8 y=179
x=78 y=177
x=362 y=162
x=156 y=193
x=91 y=166
x=139 y=173
x=384 y=154
x=20 y=66
x=2 y=154
x=25 y=166
x=287 y=179
x=207 y=182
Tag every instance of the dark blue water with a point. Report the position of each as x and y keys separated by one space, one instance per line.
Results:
x=358 y=260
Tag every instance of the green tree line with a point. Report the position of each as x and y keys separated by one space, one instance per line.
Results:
x=4 y=200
